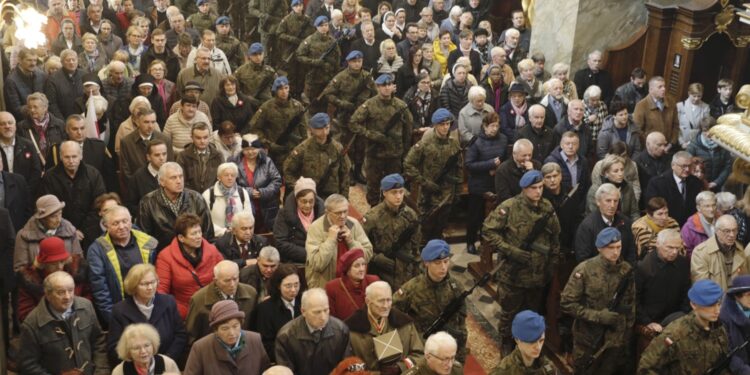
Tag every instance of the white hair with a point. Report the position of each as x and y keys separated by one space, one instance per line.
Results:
x=312 y=293
x=225 y=266
x=439 y=340
x=378 y=285
x=666 y=235
x=606 y=189
x=241 y=216
x=228 y=166
x=114 y=210
x=724 y=220
x=476 y=92
x=456 y=11
x=725 y=201
x=592 y=91
x=523 y=142
x=270 y=253
x=512 y=32
x=139 y=100
x=168 y=166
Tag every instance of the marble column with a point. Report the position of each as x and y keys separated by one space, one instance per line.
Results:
x=567 y=30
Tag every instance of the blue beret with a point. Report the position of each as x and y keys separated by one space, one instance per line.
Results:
x=392 y=181
x=320 y=20
x=223 y=20
x=278 y=82
x=354 y=55
x=705 y=293
x=255 y=49
x=528 y=326
x=319 y=120
x=436 y=249
x=530 y=178
x=296 y=2
x=607 y=236
x=384 y=79
x=740 y=284
x=441 y=115
x=201 y=2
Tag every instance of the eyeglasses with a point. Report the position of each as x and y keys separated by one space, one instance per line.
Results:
x=356 y=367
x=444 y=360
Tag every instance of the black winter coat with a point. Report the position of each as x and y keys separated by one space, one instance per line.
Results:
x=270 y=316
x=26 y=162
x=454 y=97
x=590 y=227
x=61 y=90
x=55 y=131
x=288 y=232
x=18 y=87
x=78 y=194
x=480 y=160
x=157 y=219
x=240 y=114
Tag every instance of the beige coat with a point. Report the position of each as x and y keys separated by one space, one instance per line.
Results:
x=170 y=367
x=708 y=263
x=320 y=266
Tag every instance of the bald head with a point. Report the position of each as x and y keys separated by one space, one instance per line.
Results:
x=656 y=144
x=7 y=127
x=278 y=370
x=227 y=276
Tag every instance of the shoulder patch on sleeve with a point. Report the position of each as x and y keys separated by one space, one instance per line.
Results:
x=578 y=275
x=668 y=341
x=400 y=292
x=294 y=152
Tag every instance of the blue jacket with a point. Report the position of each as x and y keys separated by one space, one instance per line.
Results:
x=267 y=180
x=479 y=160
x=105 y=273
x=164 y=318
x=735 y=323
x=718 y=162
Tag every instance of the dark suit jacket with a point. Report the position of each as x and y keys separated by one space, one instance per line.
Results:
x=371 y=53
x=270 y=316
x=665 y=186
x=26 y=162
x=140 y=184
x=17 y=199
x=585 y=240
x=585 y=78
x=228 y=247
x=133 y=152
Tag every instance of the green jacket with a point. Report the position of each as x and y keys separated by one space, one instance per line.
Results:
x=513 y=365
x=370 y=121
x=311 y=159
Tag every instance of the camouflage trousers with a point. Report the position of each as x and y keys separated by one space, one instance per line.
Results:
x=514 y=299
x=375 y=170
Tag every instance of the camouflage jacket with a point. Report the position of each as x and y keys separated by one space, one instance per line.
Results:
x=370 y=121
x=256 y=81
x=270 y=13
x=424 y=300
x=341 y=92
x=507 y=227
x=513 y=365
x=426 y=160
x=311 y=159
x=384 y=226
x=309 y=53
x=232 y=49
x=271 y=121
x=591 y=286
x=292 y=30
x=684 y=348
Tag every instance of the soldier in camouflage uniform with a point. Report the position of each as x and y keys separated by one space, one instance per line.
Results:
x=318 y=157
x=425 y=296
x=527 y=358
x=269 y=14
x=586 y=297
x=319 y=71
x=386 y=123
x=226 y=42
x=388 y=223
x=347 y=91
x=435 y=164
x=524 y=273
x=292 y=30
x=692 y=343
x=280 y=122
x=255 y=76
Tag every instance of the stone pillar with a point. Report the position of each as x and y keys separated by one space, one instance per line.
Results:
x=567 y=30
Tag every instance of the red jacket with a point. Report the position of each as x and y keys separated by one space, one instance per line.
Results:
x=342 y=305
x=178 y=277
x=31 y=280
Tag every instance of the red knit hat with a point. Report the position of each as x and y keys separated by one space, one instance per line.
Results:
x=346 y=260
x=52 y=249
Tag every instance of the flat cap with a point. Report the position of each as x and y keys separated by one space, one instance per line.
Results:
x=392 y=181
x=705 y=293
x=607 y=236
x=528 y=326
x=192 y=85
x=319 y=120
x=436 y=249
x=530 y=178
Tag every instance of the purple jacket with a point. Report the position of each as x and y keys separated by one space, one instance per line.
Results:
x=693 y=233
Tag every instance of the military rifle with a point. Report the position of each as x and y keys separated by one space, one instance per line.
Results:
x=290 y=126
x=332 y=47
x=590 y=357
x=455 y=304
x=722 y=363
x=294 y=51
x=401 y=241
x=447 y=167
x=329 y=168
x=541 y=224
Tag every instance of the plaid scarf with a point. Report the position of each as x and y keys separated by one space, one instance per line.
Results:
x=174 y=206
x=40 y=127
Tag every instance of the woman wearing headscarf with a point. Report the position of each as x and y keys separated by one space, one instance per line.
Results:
x=144 y=85
x=346 y=293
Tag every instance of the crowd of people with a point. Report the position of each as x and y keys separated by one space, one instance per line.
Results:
x=175 y=179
